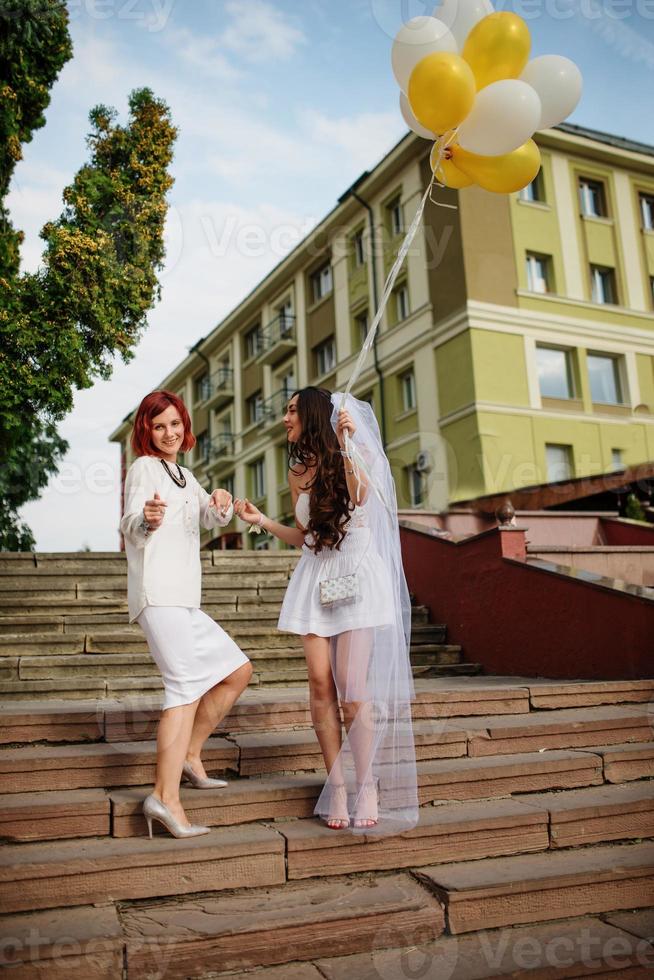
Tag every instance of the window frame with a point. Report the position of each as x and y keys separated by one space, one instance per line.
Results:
x=320 y=291
x=569 y=453
x=539 y=183
x=409 y=394
x=597 y=273
x=531 y=258
x=571 y=382
x=617 y=364
x=646 y=202
x=402 y=290
x=413 y=475
x=253 y=349
x=254 y=403
x=396 y=216
x=586 y=184
x=258 y=478
x=328 y=343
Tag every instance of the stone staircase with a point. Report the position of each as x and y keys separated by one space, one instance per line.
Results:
x=534 y=840
x=64 y=628
x=533 y=856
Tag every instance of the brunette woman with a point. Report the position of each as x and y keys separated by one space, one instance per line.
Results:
x=203 y=670
x=347 y=599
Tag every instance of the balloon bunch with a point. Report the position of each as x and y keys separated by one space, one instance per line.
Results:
x=468 y=84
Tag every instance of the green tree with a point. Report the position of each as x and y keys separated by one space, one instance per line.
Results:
x=61 y=326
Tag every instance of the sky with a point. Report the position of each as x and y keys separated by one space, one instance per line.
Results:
x=280 y=106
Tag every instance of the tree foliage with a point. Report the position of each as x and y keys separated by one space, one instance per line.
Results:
x=61 y=326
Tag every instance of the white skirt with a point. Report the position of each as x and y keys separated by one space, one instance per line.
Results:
x=302 y=612
x=191 y=650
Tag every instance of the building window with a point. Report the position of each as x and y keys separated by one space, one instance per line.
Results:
x=228 y=483
x=258 y=478
x=286 y=382
x=202 y=446
x=647 y=211
x=321 y=282
x=616 y=459
x=253 y=342
x=408 y=382
x=202 y=386
x=262 y=543
x=534 y=192
x=604 y=375
x=325 y=355
x=255 y=408
x=602 y=280
x=555 y=376
x=359 y=249
x=539 y=273
x=361 y=324
x=401 y=303
x=396 y=217
x=559 y=462
x=285 y=314
x=415 y=486
x=592 y=198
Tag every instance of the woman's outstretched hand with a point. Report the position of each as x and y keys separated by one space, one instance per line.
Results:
x=220 y=499
x=344 y=424
x=247 y=511
x=154 y=511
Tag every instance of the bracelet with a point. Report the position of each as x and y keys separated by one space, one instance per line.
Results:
x=349 y=471
x=262 y=518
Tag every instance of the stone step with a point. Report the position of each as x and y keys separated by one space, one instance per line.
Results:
x=81 y=872
x=251 y=928
x=564 y=728
x=136 y=717
x=47 y=767
x=623 y=763
x=496 y=892
x=578 y=947
x=581 y=694
x=597 y=814
x=576 y=817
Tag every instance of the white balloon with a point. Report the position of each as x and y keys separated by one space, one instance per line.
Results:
x=557 y=81
x=503 y=117
x=411 y=121
x=462 y=15
x=415 y=40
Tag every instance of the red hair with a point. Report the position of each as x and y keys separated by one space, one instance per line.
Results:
x=152 y=405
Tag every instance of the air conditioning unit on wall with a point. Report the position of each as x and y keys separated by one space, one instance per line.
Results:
x=424 y=461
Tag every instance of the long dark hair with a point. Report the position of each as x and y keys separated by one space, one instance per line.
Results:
x=330 y=505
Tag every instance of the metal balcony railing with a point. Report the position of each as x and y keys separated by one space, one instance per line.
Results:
x=279 y=330
x=222 y=446
x=220 y=382
x=274 y=408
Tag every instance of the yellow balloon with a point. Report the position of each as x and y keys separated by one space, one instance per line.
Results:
x=497 y=47
x=441 y=91
x=504 y=174
x=447 y=173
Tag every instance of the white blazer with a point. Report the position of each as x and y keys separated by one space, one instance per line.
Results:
x=163 y=567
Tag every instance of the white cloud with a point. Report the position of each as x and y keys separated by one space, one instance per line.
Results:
x=260 y=32
x=363 y=137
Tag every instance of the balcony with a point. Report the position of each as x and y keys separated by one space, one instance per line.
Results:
x=274 y=409
x=219 y=389
x=221 y=451
x=277 y=339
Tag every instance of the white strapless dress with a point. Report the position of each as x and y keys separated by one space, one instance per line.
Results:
x=302 y=612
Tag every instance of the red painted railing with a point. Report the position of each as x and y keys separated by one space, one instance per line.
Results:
x=524 y=618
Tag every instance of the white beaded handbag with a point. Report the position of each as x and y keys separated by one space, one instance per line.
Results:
x=342 y=588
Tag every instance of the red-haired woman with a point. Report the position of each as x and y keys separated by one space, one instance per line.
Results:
x=203 y=670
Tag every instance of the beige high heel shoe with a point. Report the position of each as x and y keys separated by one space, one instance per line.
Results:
x=201 y=782
x=366 y=811
x=154 y=809
x=339 y=818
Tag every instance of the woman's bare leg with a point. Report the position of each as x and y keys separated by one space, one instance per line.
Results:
x=173 y=736
x=352 y=654
x=212 y=708
x=323 y=698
